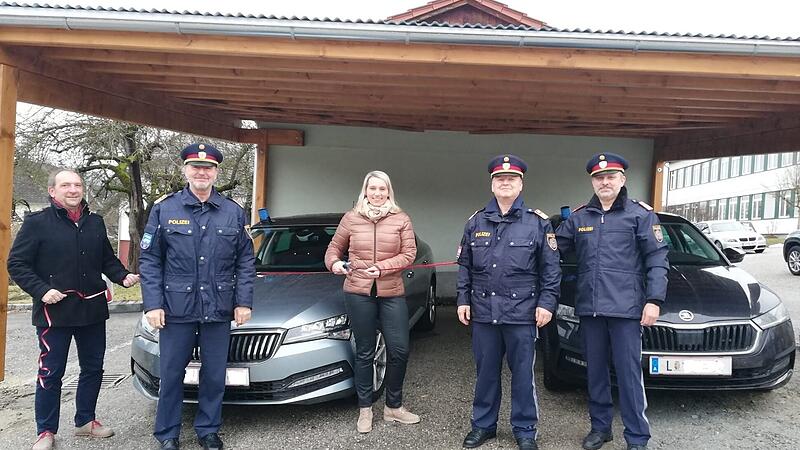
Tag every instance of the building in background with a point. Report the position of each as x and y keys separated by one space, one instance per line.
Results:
x=761 y=189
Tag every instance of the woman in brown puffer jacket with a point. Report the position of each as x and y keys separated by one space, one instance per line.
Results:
x=379 y=240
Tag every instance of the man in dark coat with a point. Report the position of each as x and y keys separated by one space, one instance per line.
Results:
x=198 y=269
x=58 y=258
x=508 y=285
x=622 y=282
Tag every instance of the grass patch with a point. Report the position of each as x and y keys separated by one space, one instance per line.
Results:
x=775 y=239
x=18 y=296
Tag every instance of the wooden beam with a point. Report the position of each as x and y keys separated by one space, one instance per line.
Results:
x=499 y=56
x=9 y=77
x=383 y=72
x=656 y=195
x=70 y=88
x=778 y=134
x=275 y=136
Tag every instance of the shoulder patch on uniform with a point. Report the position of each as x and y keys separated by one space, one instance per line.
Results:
x=234 y=201
x=539 y=213
x=162 y=198
x=643 y=205
x=473 y=214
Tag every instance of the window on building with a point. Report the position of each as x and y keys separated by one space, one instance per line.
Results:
x=772 y=161
x=784 y=203
x=769 y=205
x=705 y=168
x=702 y=211
x=724 y=168
x=673 y=176
x=712 y=210
x=747 y=164
x=744 y=207
x=723 y=209
x=695 y=174
x=758 y=163
x=755 y=207
x=714 y=170
x=679 y=176
x=787 y=159
x=732 y=204
x=735 y=166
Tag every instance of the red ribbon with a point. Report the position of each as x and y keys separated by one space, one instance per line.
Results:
x=413 y=266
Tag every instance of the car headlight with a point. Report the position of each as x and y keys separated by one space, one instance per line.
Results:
x=774 y=316
x=144 y=330
x=567 y=313
x=732 y=241
x=337 y=327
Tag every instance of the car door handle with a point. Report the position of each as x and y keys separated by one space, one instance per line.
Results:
x=410 y=274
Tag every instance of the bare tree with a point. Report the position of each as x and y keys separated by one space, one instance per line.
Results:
x=125 y=163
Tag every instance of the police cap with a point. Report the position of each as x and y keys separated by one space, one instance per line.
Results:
x=606 y=162
x=201 y=155
x=507 y=164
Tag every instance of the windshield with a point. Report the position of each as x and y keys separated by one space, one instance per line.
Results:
x=300 y=249
x=726 y=226
x=689 y=246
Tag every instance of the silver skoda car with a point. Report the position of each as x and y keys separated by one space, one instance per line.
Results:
x=297 y=348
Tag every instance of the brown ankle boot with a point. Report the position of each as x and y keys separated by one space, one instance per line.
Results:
x=364 y=424
x=400 y=414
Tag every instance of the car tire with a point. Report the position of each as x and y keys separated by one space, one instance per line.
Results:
x=428 y=320
x=549 y=349
x=718 y=244
x=793 y=259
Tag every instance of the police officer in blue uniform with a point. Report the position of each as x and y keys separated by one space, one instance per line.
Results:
x=508 y=285
x=197 y=267
x=622 y=282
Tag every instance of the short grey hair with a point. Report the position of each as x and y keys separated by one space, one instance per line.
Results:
x=51 y=179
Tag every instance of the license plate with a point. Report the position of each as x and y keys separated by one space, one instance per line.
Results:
x=234 y=376
x=691 y=365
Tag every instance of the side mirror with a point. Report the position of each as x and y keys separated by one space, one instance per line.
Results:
x=734 y=255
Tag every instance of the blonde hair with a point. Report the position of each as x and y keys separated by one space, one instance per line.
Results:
x=362 y=196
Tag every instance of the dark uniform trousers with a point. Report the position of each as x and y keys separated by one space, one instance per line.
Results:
x=213 y=339
x=518 y=343
x=90 y=341
x=621 y=339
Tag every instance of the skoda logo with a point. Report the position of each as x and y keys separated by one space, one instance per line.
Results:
x=686 y=315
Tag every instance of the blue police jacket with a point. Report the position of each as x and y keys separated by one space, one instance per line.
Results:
x=197 y=259
x=621 y=257
x=508 y=265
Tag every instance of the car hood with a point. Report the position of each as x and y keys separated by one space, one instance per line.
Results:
x=733 y=234
x=287 y=301
x=715 y=293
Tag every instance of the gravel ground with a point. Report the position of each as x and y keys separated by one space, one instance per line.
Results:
x=439 y=387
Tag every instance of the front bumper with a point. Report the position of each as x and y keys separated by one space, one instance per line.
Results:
x=301 y=373
x=768 y=365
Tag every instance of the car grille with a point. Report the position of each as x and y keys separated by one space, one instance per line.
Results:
x=248 y=347
x=747 y=239
x=717 y=338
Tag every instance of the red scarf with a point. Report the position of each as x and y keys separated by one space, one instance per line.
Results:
x=75 y=215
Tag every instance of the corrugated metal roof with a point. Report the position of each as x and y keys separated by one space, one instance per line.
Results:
x=551 y=29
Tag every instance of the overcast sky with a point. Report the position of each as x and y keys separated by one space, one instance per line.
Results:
x=763 y=17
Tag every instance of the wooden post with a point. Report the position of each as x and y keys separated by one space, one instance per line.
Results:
x=260 y=176
x=657 y=193
x=9 y=77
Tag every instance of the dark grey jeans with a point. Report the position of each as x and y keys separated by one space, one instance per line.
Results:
x=390 y=315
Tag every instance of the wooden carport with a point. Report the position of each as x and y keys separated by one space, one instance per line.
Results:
x=695 y=96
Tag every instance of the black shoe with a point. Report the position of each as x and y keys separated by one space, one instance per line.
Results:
x=637 y=446
x=476 y=438
x=170 y=444
x=527 y=444
x=211 y=441
x=596 y=439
